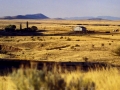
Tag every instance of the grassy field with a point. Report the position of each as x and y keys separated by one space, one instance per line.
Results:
x=36 y=80
x=57 y=44
x=64 y=47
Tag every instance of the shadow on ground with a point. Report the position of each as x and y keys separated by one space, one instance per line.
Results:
x=41 y=33
x=7 y=65
x=22 y=33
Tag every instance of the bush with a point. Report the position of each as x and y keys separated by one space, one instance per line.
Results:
x=72 y=47
x=68 y=39
x=102 y=44
x=77 y=45
x=10 y=28
x=117 y=51
x=34 y=28
x=61 y=37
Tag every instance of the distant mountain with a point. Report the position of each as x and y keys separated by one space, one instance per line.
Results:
x=41 y=16
x=28 y=16
x=58 y=18
x=94 y=18
x=109 y=17
x=78 y=18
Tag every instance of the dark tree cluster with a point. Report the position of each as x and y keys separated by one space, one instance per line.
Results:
x=10 y=28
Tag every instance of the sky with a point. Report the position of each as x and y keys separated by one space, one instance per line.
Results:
x=60 y=8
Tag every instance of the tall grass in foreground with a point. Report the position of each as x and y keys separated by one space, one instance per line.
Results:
x=30 y=79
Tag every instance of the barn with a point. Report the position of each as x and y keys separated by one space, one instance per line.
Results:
x=80 y=29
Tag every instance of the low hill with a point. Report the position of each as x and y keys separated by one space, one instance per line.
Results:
x=28 y=16
x=94 y=18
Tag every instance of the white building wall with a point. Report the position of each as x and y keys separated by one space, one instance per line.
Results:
x=77 y=29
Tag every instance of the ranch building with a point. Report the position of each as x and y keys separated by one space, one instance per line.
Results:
x=80 y=29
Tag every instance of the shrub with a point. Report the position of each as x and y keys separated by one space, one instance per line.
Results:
x=93 y=46
x=61 y=37
x=109 y=43
x=72 y=47
x=77 y=45
x=117 y=51
x=85 y=59
x=10 y=28
x=68 y=39
x=102 y=44
x=78 y=40
x=34 y=28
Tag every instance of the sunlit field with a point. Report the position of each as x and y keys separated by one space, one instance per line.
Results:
x=58 y=42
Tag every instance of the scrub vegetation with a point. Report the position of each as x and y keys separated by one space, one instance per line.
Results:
x=55 y=40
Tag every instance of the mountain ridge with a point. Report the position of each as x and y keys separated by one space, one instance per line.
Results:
x=42 y=16
x=94 y=18
x=27 y=16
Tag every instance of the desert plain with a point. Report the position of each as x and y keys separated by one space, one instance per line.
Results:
x=57 y=41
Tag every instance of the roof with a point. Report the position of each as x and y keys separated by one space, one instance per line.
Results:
x=81 y=26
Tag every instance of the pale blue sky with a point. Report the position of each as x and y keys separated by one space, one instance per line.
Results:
x=61 y=8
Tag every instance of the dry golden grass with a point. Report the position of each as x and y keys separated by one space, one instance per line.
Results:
x=63 y=48
x=96 y=47
x=64 y=24
x=60 y=49
x=100 y=80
